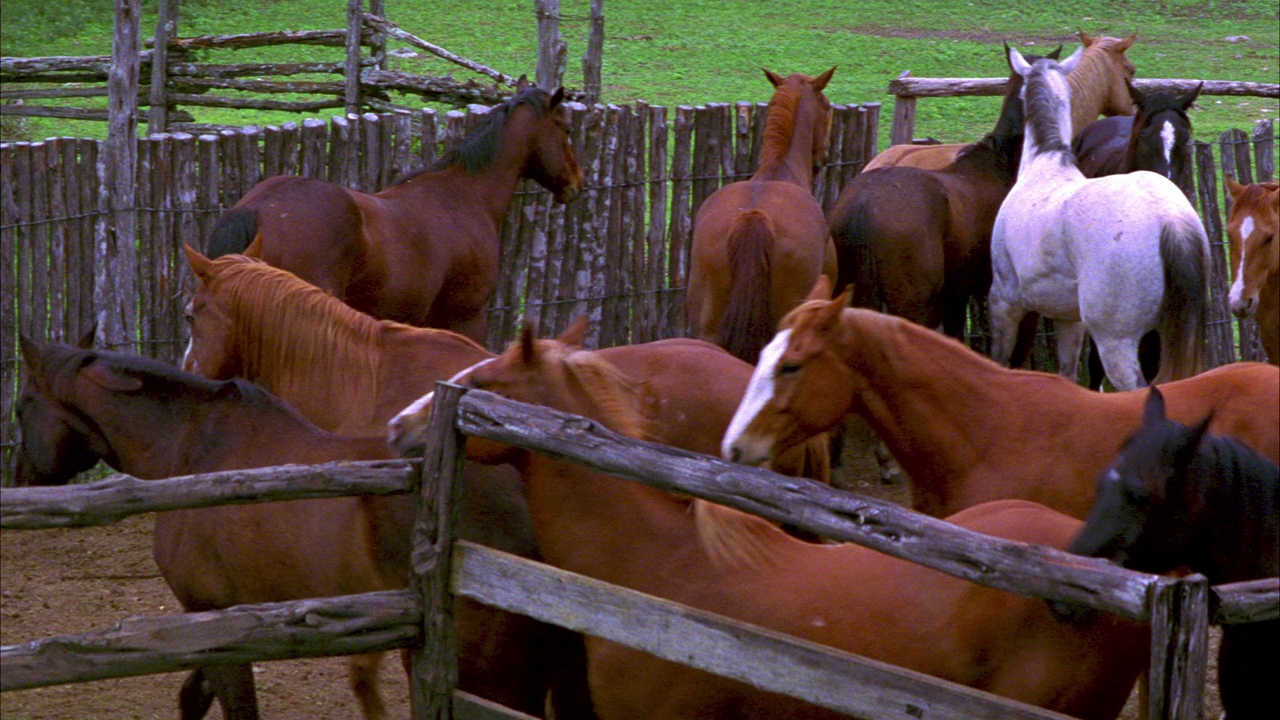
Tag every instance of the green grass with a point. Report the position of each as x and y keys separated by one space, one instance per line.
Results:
x=698 y=51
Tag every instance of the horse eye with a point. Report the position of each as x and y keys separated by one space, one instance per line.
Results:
x=788 y=369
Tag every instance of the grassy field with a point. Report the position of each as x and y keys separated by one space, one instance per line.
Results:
x=698 y=51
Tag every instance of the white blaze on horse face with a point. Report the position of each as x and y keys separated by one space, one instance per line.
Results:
x=1237 y=287
x=189 y=364
x=395 y=426
x=1168 y=138
x=759 y=391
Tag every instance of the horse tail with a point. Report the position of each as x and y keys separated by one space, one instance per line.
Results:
x=1184 y=307
x=233 y=232
x=747 y=324
x=858 y=266
x=733 y=539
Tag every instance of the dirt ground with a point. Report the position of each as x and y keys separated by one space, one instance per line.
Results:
x=71 y=581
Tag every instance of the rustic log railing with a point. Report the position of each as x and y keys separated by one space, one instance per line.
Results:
x=420 y=617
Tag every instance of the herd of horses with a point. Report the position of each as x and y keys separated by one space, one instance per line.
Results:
x=324 y=317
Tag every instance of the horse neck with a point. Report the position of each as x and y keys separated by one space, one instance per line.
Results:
x=492 y=187
x=788 y=156
x=1233 y=536
x=1090 y=89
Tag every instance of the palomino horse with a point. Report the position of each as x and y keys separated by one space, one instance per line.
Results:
x=1097 y=88
x=149 y=420
x=917 y=243
x=423 y=251
x=965 y=429
x=1178 y=497
x=759 y=244
x=1253 y=235
x=345 y=370
x=717 y=559
x=1113 y=257
x=1157 y=138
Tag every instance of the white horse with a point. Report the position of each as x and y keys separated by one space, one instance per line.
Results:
x=1114 y=257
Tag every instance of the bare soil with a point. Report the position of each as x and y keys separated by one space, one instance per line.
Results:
x=71 y=581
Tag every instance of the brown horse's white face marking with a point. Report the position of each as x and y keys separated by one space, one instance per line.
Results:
x=753 y=448
x=405 y=430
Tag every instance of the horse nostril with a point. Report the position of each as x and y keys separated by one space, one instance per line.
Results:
x=735 y=454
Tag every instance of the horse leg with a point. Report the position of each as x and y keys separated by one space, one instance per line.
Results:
x=1005 y=320
x=195 y=697
x=231 y=684
x=362 y=673
x=1120 y=359
x=1070 y=339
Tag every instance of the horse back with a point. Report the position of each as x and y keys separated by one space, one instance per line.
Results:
x=924 y=157
x=1242 y=398
x=1102 y=147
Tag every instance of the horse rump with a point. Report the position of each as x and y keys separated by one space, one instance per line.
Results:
x=233 y=232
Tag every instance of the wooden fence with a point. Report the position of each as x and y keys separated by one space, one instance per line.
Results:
x=619 y=253
x=420 y=618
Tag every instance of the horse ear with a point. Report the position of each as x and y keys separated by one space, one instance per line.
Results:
x=1053 y=54
x=774 y=77
x=1126 y=43
x=200 y=265
x=255 y=248
x=110 y=379
x=1184 y=101
x=1135 y=94
x=576 y=333
x=829 y=313
x=86 y=340
x=32 y=355
x=1085 y=39
x=1074 y=59
x=522 y=82
x=821 y=289
x=1017 y=63
x=557 y=97
x=1233 y=187
x=528 y=351
x=820 y=82
x=1201 y=429
x=1153 y=409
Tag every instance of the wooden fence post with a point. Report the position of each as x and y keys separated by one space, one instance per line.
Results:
x=593 y=59
x=552 y=49
x=166 y=27
x=116 y=271
x=355 y=23
x=434 y=661
x=1179 y=611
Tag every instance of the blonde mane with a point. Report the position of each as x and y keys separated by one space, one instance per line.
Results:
x=294 y=338
x=1094 y=78
x=731 y=537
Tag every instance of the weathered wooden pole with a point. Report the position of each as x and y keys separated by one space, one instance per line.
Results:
x=115 y=269
x=552 y=49
x=355 y=24
x=593 y=59
x=166 y=27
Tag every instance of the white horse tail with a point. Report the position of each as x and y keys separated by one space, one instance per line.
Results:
x=1184 y=307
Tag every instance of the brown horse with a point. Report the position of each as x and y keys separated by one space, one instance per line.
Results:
x=149 y=420
x=965 y=429
x=345 y=370
x=917 y=243
x=714 y=558
x=759 y=244
x=1097 y=88
x=1253 y=236
x=423 y=251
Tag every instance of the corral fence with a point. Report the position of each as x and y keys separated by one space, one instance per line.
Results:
x=421 y=617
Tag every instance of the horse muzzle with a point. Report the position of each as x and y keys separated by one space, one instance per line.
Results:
x=1244 y=307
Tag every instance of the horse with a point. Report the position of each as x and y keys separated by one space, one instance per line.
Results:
x=1176 y=496
x=759 y=244
x=423 y=251
x=917 y=243
x=1113 y=257
x=966 y=429
x=1253 y=238
x=718 y=559
x=150 y=420
x=1098 y=87
x=1157 y=138
x=347 y=371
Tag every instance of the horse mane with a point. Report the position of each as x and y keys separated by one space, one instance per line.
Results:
x=779 y=125
x=1088 y=81
x=1041 y=107
x=1254 y=193
x=299 y=331
x=480 y=146
x=732 y=538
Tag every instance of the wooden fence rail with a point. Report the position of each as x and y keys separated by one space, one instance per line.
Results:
x=1178 y=609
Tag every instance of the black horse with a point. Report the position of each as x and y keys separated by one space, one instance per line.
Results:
x=1179 y=497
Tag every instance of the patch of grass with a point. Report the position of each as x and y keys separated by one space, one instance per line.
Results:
x=699 y=51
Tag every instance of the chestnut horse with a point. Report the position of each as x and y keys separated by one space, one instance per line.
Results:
x=1253 y=236
x=1177 y=497
x=1098 y=87
x=152 y=421
x=965 y=429
x=759 y=244
x=423 y=251
x=917 y=243
x=345 y=370
x=718 y=559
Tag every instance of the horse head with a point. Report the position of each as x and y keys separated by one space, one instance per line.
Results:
x=210 y=321
x=551 y=161
x=800 y=387
x=55 y=443
x=1253 y=234
x=1145 y=514
x=798 y=103
x=1161 y=135
x=1106 y=74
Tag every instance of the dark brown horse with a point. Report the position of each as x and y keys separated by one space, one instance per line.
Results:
x=1178 y=497
x=1157 y=138
x=965 y=429
x=717 y=559
x=1253 y=236
x=423 y=251
x=759 y=244
x=150 y=420
x=917 y=243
